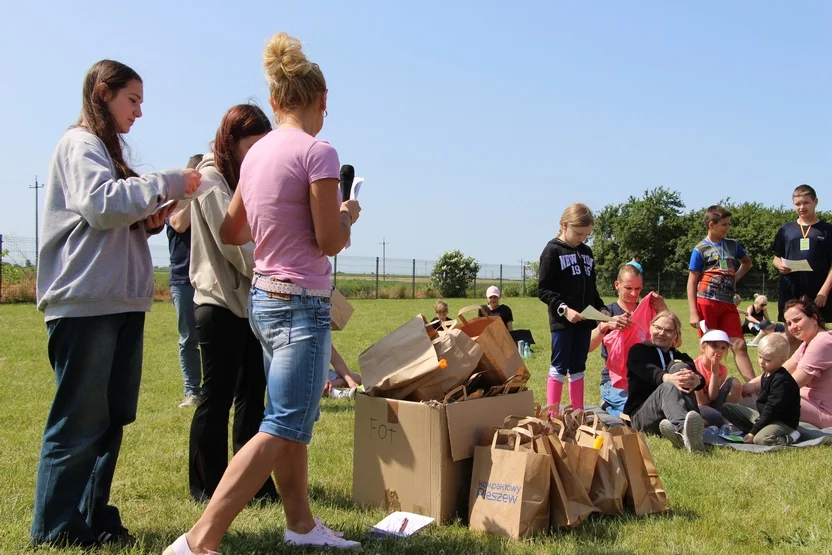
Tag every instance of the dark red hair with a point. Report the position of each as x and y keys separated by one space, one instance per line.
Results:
x=241 y=121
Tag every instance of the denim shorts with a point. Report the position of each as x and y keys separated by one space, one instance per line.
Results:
x=295 y=332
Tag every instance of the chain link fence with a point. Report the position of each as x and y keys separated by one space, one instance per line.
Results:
x=369 y=277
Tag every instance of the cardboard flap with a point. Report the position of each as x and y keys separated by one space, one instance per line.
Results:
x=468 y=420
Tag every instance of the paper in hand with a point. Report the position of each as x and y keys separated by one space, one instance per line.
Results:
x=356 y=186
x=592 y=313
x=163 y=205
x=796 y=265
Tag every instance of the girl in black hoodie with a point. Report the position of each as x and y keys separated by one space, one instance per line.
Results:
x=567 y=286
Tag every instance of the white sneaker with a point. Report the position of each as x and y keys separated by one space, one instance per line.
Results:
x=692 y=432
x=181 y=547
x=190 y=401
x=319 y=536
x=347 y=393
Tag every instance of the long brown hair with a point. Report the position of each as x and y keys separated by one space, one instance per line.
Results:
x=97 y=118
x=241 y=121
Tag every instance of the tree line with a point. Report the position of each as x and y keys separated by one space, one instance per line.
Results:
x=663 y=232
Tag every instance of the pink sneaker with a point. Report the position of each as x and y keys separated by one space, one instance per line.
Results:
x=319 y=536
x=181 y=547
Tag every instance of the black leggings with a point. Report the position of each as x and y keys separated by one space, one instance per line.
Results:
x=232 y=371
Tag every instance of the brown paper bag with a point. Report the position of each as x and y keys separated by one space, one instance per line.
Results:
x=609 y=484
x=645 y=492
x=570 y=503
x=500 y=358
x=461 y=355
x=398 y=359
x=581 y=460
x=340 y=310
x=509 y=488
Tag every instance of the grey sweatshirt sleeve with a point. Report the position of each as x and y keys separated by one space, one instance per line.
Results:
x=92 y=191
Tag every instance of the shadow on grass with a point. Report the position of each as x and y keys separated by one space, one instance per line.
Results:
x=448 y=540
x=598 y=534
x=331 y=497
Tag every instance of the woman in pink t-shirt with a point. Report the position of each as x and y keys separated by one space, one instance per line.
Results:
x=810 y=365
x=287 y=201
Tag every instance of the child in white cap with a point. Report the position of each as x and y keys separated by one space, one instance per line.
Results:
x=719 y=388
x=494 y=308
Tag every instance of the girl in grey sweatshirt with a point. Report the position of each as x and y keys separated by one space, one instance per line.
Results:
x=95 y=282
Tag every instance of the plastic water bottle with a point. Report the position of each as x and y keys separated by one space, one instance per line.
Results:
x=521 y=348
x=527 y=351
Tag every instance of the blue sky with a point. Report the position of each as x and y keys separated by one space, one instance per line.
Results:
x=474 y=123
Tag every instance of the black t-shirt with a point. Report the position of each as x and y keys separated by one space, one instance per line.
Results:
x=179 y=246
x=435 y=324
x=613 y=309
x=819 y=255
x=502 y=311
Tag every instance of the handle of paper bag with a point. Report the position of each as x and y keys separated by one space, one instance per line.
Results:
x=498 y=433
x=543 y=412
x=561 y=427
x=597 y=423
x=454 y=391
x=444 y=326
x=465 y=309
x=527 y=432
x=518 y=381
x=590 y=431
x=529 y=421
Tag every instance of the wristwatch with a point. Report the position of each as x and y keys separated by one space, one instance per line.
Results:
x=562 y=309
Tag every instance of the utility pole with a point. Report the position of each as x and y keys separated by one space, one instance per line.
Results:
x=384 y=244
x=523 y=273
x=37 y=242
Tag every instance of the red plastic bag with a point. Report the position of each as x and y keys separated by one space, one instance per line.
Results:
x=618 y=342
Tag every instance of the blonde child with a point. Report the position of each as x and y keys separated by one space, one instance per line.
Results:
x=778 y=404
x=719 y=388
x=567 y=286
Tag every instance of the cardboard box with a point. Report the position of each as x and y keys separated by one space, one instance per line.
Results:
x=340 y=310
x=417 y=457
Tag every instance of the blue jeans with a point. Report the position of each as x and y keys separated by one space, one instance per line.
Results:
x=614 y=398
x=98 y=366
x=183 y=300
x=570 y=348
x=295 y=332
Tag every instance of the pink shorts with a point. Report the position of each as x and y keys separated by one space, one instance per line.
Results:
x=720 y=316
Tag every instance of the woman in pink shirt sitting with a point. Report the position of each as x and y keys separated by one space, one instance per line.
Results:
x=810 y=365
x=287 y=201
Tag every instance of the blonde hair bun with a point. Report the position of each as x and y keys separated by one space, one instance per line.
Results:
x=284 y=57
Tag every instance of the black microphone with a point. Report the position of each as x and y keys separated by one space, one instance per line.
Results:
x=347 y=177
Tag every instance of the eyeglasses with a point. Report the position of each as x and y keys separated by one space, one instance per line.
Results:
x=660 y=329
x=763 y=305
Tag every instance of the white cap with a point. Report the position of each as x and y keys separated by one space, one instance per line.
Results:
x=715 y=336
x=492 y=291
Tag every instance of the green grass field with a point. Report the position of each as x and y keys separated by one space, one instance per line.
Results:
x=723 y=502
